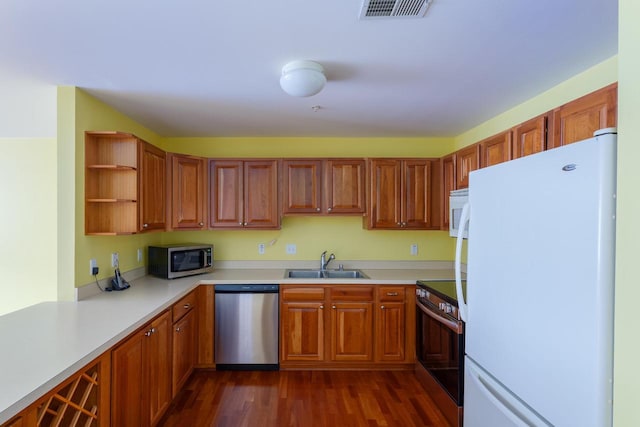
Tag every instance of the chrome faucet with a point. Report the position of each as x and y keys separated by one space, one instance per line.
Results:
x=324 y=262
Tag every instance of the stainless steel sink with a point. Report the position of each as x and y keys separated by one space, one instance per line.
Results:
x=324 y=274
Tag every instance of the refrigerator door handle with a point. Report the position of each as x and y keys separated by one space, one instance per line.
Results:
x=462 y=304
x=501 y=403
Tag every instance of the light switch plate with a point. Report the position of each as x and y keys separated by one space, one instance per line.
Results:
x=261 y=248
x=291 y=249
x=414 y=249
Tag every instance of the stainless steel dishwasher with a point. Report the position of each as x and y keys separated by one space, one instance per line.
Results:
x=246 y=328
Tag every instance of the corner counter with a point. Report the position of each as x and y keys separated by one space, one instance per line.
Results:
x=47 y=342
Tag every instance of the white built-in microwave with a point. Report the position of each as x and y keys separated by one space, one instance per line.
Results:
x=457 y=200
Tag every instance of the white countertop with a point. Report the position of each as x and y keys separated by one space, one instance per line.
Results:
x=46 y=343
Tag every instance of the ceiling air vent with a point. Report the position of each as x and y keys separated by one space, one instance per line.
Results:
x=394 y=8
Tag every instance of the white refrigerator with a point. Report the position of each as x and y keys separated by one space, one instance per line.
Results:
x=540 y=283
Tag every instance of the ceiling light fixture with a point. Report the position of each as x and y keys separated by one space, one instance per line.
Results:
x=302 y=78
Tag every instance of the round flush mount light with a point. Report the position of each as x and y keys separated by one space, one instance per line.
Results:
x=302 y=78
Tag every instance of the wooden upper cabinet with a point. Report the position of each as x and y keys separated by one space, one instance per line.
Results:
x=467 y=160
x=188 y=195
x=244 y=194
x=496 y=149
x=344 y=187
x=261 y=194
x=152 y=188
x=530 y=137
x=416 y=212
x=302 y=185
x=400 y=194
x=226 y=196
x=578 y=119
x=323 y=186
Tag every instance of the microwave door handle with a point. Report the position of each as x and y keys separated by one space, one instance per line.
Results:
x=462 y=304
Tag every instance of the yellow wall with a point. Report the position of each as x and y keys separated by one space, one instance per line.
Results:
x=627 y=346
x=594 y=78
x=28 y=218
x=344 y=236
x=78 y=112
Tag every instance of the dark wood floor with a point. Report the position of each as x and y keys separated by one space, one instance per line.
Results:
x=303 y=398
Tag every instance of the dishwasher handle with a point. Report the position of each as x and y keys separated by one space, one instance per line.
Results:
x=247 y=289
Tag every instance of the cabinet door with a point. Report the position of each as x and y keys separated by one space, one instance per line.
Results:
x=184 y=350
x=302 y=187
x=448 y=185
x=129 y=398
x=415 y=194
x=467 y=160
x=261 y=194
x=577 y=120
x=158 y=359
x=386 y=196
x=351 y=331
x=302 y=331
x=152 y=188
x=226 y=194
x=530 y=137
x=390 y=331
x=345 y=186
x=496 y=149
x=188 y=204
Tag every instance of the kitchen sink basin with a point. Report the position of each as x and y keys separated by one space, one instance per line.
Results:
x=324 y=274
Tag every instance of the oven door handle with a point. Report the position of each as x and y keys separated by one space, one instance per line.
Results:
x=455 y=326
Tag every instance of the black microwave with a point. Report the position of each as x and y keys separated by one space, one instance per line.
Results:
x=180 y=259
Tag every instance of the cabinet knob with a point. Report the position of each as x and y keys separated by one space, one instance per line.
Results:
x=178 y=329
x=244 y=223
x=333 y=306
x=240 y=223
x=145 y=225
x=382 y=307
x=399 y=224
x=201 y=224
x=317 y=209
x=329 y=209
x=188 y=306
x=322 y=306
x=392 y=294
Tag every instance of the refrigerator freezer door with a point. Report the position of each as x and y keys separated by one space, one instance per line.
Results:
x=540 y=279
x=487 y=403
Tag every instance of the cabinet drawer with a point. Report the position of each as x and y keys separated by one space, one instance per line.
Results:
x=184 y=306
x=302 y=294
x=352 y=293
x=391 y=293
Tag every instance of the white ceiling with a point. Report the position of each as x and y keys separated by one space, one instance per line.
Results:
x=212 y=68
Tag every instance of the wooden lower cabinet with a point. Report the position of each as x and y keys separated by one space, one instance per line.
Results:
x=141 y=375
x=83 y=399
x=185 y=341
x=346 y=326
x=351 y=331
x=302 y=331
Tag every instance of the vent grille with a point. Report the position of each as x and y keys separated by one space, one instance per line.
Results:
x=394 y=8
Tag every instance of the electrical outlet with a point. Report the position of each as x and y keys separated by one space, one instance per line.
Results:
x=115 y=262
x=261 y=248
x=291 y=249
x=93 y=266
x=414 y=249
x=139 y=255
